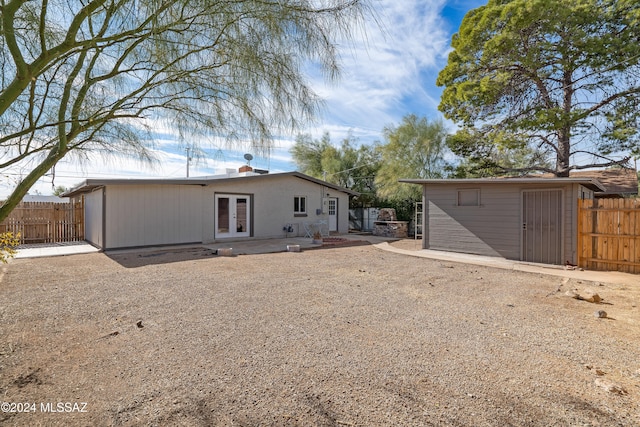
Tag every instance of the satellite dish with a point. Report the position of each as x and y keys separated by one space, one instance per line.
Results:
x=248 y=157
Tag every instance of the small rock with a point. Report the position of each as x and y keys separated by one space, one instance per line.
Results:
x=600 y=314
x=590 y=295
x=610 y=386
x=139 y=324
x=225 y=252
x=600 y=372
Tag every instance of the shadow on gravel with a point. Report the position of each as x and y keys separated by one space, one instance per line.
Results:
x=338 y=243
x=141 y=259
x=132 y=259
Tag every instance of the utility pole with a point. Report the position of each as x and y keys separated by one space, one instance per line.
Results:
x=188 y=161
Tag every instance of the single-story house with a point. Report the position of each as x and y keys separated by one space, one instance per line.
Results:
x=122 y=213
x=530 y=219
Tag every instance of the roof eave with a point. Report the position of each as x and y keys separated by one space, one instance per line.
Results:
x=591 y=183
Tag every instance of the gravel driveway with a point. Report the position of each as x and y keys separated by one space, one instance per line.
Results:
x=346 y=336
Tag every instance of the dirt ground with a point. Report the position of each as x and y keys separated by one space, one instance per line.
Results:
x=342 y=336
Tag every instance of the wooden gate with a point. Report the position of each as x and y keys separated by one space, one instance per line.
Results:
x=609 y=235
x=46 y=222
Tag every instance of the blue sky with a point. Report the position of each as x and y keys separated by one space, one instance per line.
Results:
x=389 y=75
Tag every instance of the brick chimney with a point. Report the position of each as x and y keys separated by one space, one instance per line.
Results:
x=245 y=168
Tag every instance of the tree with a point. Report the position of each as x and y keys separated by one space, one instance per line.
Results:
x=415 y=149
x=81 y=76
x=347 y=166
x=59 y=190
x=558 y=78
x=492 y=159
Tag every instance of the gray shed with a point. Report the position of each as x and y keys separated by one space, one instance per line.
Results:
x=527 y=219
x=121 y=213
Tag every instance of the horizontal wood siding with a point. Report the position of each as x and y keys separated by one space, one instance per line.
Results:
x=489 y=229
x=145 y=215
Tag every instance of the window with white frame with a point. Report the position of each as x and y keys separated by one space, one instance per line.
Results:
x=299 y=205
x=468 y=197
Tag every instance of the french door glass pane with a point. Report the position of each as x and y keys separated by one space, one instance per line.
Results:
x=223 y=215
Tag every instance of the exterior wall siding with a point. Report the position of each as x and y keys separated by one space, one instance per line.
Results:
x=93 y=217
x=273 y=206
x=145 y=215
x=161 y=214
x=489 y=229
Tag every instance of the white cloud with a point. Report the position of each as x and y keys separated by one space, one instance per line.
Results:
x=387 y=76
x=391 y=74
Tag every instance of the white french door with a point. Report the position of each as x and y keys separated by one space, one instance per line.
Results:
x=232 y=215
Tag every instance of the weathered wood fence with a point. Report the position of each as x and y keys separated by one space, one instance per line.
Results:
x=45 y=222
x=609 y=235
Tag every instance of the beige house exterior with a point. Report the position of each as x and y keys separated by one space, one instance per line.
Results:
x=124 y=213
x=526 y=219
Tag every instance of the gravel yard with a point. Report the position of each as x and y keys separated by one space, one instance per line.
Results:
x=343 y=336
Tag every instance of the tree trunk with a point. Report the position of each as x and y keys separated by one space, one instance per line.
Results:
x=562 y=157
x=23 y=187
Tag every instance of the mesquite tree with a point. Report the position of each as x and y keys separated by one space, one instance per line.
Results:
x=93 y=76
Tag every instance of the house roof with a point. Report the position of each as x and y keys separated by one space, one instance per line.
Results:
x=623 y=181
x=591 y=183
x=90 y=184
x=45 y=199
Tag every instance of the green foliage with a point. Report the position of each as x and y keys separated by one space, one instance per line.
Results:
x=348 y=166
x=555 y=77
x=414 y=149
x=8 y=241
x=80 y=77
x=485 y=156
x=60 y=189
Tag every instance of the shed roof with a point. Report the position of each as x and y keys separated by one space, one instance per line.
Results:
x=591 y=183
x=91 y=184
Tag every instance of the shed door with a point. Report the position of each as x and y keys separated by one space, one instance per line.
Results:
x=542 y=215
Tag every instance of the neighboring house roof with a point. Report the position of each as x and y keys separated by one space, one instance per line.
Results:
x=45 y=199
x=90 y=184
x=619 y=181
x=591 y=183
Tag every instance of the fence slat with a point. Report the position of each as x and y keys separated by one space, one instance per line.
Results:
x=46 y=222
x=609 y=234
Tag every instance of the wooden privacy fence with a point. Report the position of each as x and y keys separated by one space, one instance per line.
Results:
x=609 y=235
x=45 y=222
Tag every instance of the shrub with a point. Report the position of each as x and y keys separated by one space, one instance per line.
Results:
x=7 y=244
